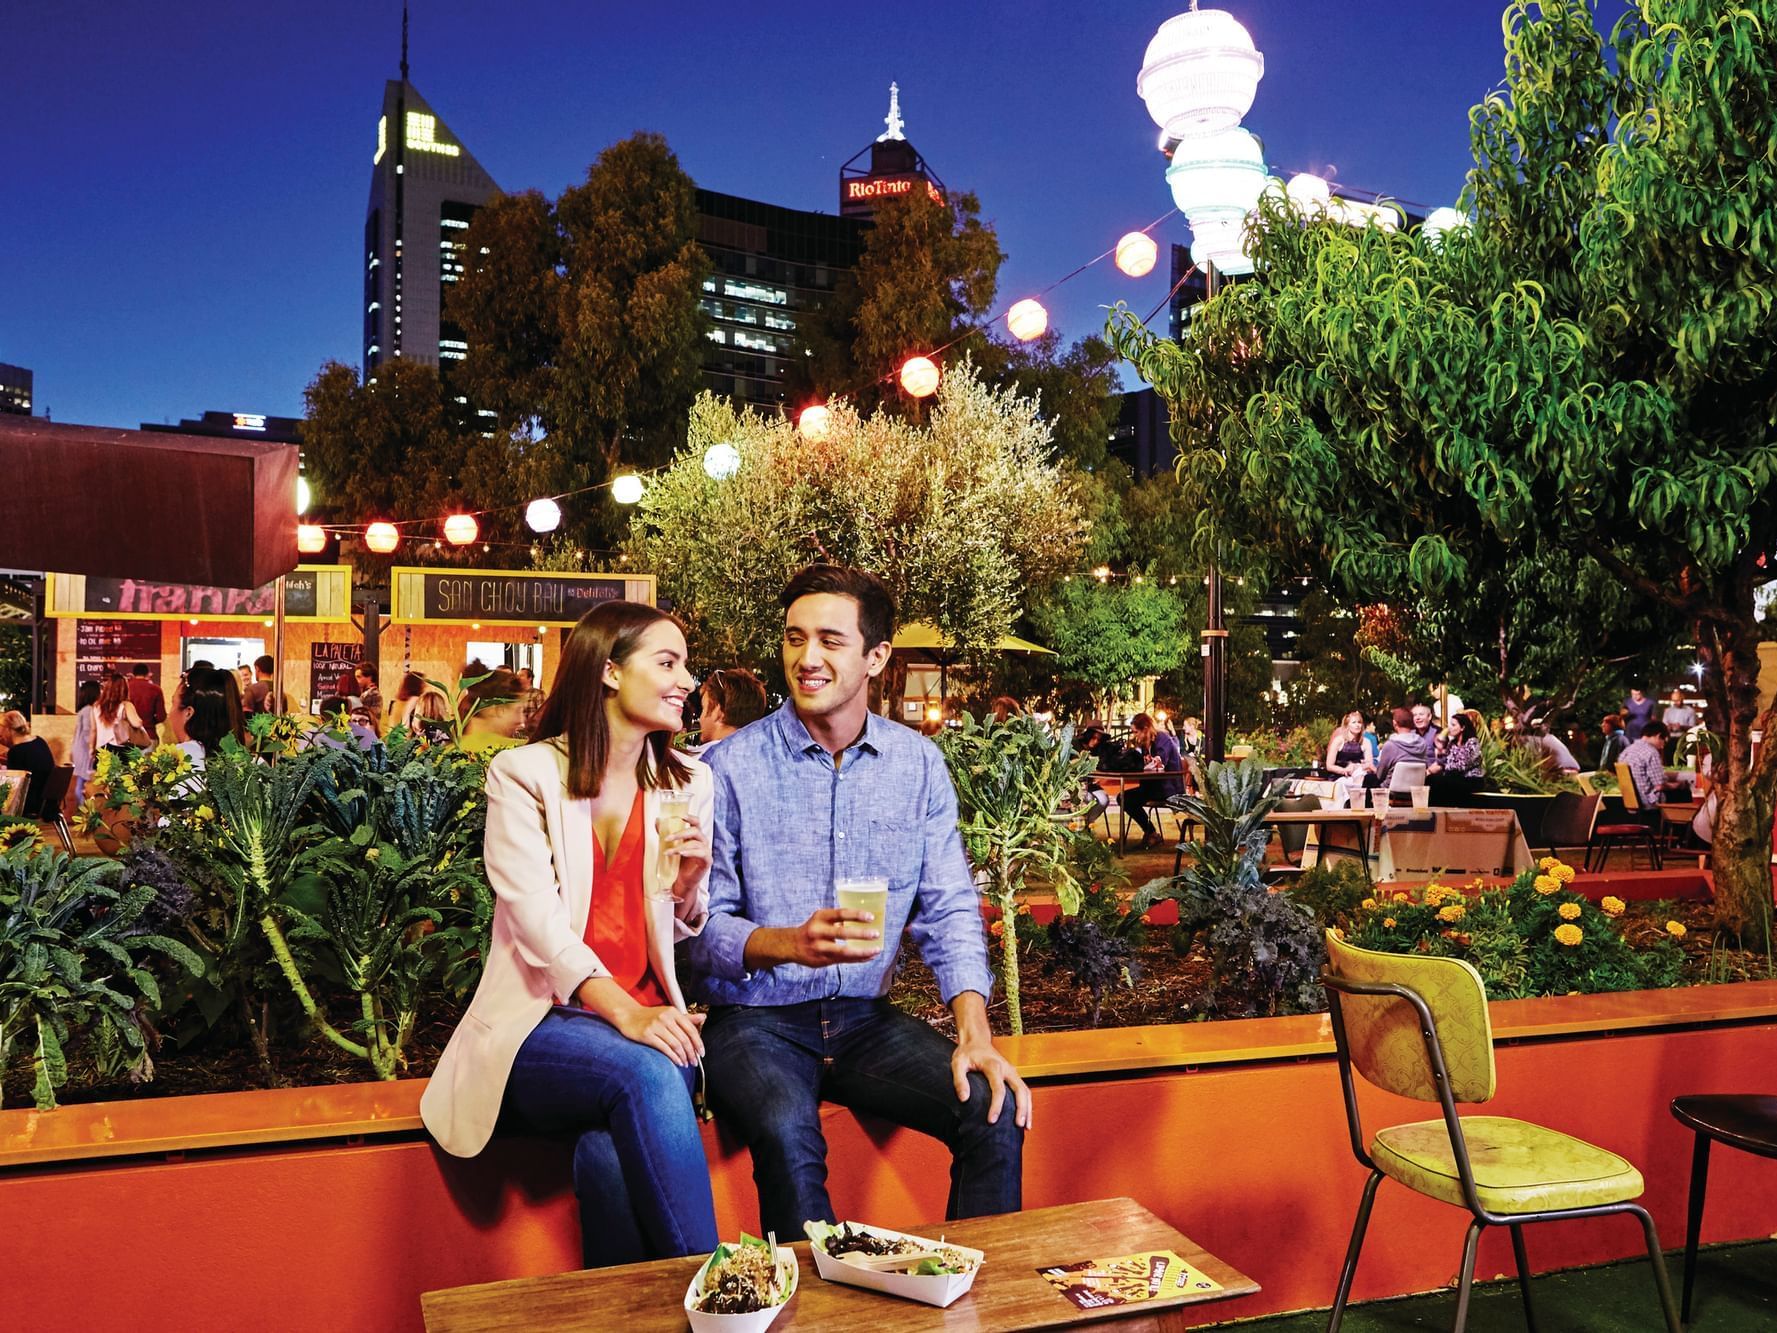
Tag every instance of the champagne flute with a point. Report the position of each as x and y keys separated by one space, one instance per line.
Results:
x=672 y=819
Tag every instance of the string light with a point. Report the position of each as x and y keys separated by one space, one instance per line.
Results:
x=542 y=516
x=461 y=529
x=1027 y=320
x=382 y=537
x=721 y=461
x=919 y=376
x=1137 y=253
x=626 y=489
x=311 y=539
x=815 y=423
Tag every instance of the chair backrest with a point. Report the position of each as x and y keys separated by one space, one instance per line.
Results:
x=55 y=790
x=1405 y=775
x=1382 y=1033
x=1569 y=820
x=1626 y=788
x=1294 y=837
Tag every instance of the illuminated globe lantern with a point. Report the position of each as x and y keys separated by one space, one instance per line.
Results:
x=311 y=539
x=1027 y=319
x=1200 y=74
x=1136 y=253
x=1308 y=192
x=303 y=495
x=626 y=489
x=1216 y=181
x=721 y=461
x=815 y=423
x=542 y=515
x=919 y=376
x=382 y=537
x=461 y=529
x=1441 y=221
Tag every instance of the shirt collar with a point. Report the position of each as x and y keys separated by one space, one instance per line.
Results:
x=797 y=737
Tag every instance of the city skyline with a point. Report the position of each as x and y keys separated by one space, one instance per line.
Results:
x=210 y=258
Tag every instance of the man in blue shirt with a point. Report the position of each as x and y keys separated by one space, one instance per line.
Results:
x=823 y=790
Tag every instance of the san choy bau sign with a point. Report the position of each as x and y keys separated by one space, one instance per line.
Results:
x=321 y=593
x=507 y=597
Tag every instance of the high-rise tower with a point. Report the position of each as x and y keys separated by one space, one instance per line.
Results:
x=894 y=167
x=424 y=189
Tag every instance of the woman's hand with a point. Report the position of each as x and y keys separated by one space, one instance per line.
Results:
x=673 y=1032
x=693 y=847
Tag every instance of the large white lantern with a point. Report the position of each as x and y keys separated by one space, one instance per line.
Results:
x=542 y=515
x=1309 y=192
x=1200 y=73
x=627 y=488
x=1027 y=320
x=1216 y=181
x=721 y=461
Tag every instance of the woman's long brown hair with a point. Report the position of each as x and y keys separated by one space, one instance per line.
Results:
x=576 y=707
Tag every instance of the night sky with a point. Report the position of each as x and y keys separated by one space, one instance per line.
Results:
x=185 y=184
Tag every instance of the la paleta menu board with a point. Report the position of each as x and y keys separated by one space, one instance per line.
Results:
x=330 y=663
x=115 y=645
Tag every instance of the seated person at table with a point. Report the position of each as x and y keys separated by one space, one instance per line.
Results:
x=1646 y=761
x=1406 y=745
x=1109 y=755
x=28 y=755
x=1159 y=754
x=1350 y=758
x=1460 y=772
x=820 y=791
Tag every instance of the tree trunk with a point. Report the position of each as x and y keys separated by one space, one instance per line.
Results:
x=1741 y=855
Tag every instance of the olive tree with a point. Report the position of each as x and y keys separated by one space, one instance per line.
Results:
x=1589 y=365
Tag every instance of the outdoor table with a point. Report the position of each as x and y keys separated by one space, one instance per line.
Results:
x=1121 y=781
x=1319 y=822
x=1449 y=841
x=1009 y=1292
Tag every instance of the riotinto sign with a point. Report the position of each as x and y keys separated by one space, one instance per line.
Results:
x=496 y=596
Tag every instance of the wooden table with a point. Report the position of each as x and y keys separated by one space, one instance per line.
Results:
x=1008 y=1292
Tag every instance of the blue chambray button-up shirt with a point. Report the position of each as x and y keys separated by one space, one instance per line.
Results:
x=788 y=824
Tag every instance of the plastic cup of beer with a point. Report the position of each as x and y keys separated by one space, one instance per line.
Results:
x=1379 y=798
x=1422 y=798
x=672 y=817
x=864 y=895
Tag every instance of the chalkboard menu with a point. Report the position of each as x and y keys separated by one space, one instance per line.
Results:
x=140 y=597
x=116 y=645
x=468 y=596
x=330 y=663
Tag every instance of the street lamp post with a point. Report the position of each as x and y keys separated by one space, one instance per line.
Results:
x=1198 y=79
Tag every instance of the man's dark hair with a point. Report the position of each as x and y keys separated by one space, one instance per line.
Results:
x=876 y=604
x=368 y=669
x=738 y=693
x=140 y=669
x=1654 y=729
x=263 y=664
x=1402 y=718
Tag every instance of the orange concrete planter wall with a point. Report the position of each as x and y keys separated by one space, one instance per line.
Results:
x=1249 y=1157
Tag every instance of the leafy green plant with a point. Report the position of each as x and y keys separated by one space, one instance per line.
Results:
x=74 y=963
x=1513 y=767
x=1264 y=950
x=1012 y=779
x=1333 y=890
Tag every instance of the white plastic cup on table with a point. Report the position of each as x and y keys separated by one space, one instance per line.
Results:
x=674 y=814
x=870 y=895
x=1379 y=798
x=1422 y=798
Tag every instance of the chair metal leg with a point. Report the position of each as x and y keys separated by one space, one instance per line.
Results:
x=1693 y=1226
x=1466 y=1283
x=64 y=833
x=1337 y=1315
x=1523 y=1258
x=1661 y=1281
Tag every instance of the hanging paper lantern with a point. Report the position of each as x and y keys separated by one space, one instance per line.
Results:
x=815 y=423
x=1308 y=192
x=1136 y=254
x=382 y=537
x=627 y=489
x=303 y=495
x=1027 y=319
x=1200 y=73
x=542 y=515
x=310 y=538
x=721 y=461
x=461 y=529
x=919 y=376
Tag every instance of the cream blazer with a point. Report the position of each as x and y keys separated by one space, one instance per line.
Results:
x=539 y=856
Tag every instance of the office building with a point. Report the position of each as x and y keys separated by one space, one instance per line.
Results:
x=15 y=389
x=235 y=426
x=771 y=267
x=425 y=188
x=891 y=166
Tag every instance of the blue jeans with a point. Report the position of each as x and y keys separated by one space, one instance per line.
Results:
x=639 y=1168
x=770 y=1066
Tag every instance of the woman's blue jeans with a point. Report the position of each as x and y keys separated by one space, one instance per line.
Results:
x=639 y=1168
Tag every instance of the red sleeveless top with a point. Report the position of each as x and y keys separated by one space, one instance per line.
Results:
x=617 y=923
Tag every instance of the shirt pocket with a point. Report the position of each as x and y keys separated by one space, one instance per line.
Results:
x=897 y=849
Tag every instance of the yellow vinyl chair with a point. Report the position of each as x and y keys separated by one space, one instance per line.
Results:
x=1418 y=1027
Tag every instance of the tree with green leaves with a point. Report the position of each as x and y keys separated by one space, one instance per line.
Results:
x=1109 y=635
x=960 y=516
x=583 y=324
x=1588 y=366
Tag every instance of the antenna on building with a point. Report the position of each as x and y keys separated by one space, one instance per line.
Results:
x=893 y=119
x=404 y=42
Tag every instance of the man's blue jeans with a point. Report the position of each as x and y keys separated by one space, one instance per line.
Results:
x=770 y=1067
x=639 y=1168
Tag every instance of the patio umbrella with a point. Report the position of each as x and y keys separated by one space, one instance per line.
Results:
x=925 y=636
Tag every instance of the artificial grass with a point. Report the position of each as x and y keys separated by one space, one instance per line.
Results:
x=1736 y=1292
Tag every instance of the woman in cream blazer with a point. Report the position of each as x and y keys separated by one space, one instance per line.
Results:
x=553 y=1042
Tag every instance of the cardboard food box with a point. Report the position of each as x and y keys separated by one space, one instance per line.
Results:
x=756 y=1321
x=940 y=1289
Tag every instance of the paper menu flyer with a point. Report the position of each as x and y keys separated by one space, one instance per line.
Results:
x=1128 y=1279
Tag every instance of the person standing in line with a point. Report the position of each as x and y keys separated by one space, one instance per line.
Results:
x=820 y=792
x=120 y=728
x=151 y=704
x=578 y=1025
x=1679 y=716
x=257 y=697
x=1638 y=711
x=84 y=751
x=370 y=694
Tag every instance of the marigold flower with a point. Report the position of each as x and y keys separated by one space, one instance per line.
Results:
x=1675 y=929
x=1454 y=912
x=1369 y=903
x=1388 y=922
x=996 y=929
x=1569 y=935
x=1546 y=884
x=1546 y=864
x=1612 y=906
x=1562 y=871
x=1568 y=911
